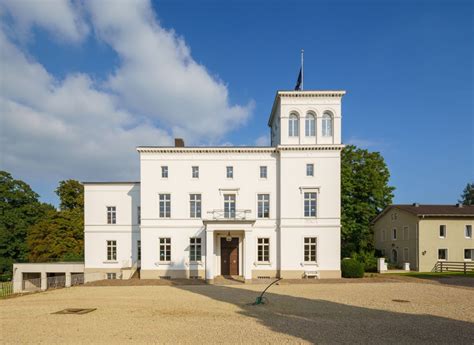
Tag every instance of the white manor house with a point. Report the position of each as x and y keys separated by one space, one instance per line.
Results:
x=251 y=212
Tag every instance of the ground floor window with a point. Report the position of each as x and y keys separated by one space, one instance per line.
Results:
x=165 y=249
x=195 y=249
x=310 y=249
x=469 y=254
x=111 y=250
x=406 y=255
x=442 y=254
x=111 y=275
x=263 y=250
x=139 y=250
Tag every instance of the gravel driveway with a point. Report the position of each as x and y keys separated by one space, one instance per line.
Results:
x=301 y=313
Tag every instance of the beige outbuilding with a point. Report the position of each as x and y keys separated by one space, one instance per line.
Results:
x=425 y=235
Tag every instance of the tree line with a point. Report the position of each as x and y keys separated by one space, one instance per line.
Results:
x=36 y=232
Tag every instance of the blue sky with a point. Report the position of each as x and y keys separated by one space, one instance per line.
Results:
x=407 y=67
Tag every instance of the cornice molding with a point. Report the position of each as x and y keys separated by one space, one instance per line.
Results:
x=151 y=149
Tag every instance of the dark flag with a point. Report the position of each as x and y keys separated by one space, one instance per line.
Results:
x=298 y=82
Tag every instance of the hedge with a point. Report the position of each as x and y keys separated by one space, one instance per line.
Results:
x=352 y=268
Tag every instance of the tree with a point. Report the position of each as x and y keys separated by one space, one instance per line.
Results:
x=60 y=235
x=19 y=209
x=467 y=196
x=364 y=194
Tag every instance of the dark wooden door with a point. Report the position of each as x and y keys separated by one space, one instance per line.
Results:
x=230 y=257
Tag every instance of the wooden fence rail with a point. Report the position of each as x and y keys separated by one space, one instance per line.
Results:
x=454 y=266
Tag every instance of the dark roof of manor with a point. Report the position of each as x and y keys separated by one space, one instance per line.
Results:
x=432 y=210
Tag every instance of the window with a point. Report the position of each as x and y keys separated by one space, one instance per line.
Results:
x=327 y=125
x=111 y=276
x=263 y=172
x=165 y=249
x=310 y=125
x=195 y=249
x=230 y=172
x=406 y=256
x=310 y=204
x=111 y=250
x=263 y=250
x=394 y=234
x=406 y=233
x=195 y=204
x=164 y=172
x=469 y=254
x=229 y=205
x=310 y=249
x=383 y=236
x=263 y=205
x=111 y=215
x=468 y=231
x=309 y=169
x=139 y=215
x=293 y=127
x=165 y=205
x=139 y=250
x=195 y=171
x=442 y=231
x=394 y=216
x=442 y=254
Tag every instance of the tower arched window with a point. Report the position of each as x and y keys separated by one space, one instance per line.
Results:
x=327 y=124
x=310 y=125
x=293 y=127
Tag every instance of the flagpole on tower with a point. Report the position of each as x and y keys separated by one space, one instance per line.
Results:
x=302 y=71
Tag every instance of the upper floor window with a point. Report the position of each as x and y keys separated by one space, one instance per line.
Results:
x=468 y=231
x=293 y=127
x=394 y=234
x=327 y=124
x=263 y=206
x=164 y=171
x=111 y=215
x=442 y=231
x=310 y=249
x=310 y=204
x=195 y=171
x=139 y=214
x=165 y=249
x=195 y=249
x=263 y=250
x=310 y=125
x=263 y=172
x=229 y=205
x=195 y=204
x=139 y=250
x=309 y=169
x=230 y=172
x=111 y=250
x=165 y=205
x=406 y=233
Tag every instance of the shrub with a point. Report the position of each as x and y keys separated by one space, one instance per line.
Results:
x=368 y=259
x=351 y=268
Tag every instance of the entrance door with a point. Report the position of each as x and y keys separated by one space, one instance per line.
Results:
x=230 y=257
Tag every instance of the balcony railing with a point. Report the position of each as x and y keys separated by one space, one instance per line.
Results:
x=229 y=214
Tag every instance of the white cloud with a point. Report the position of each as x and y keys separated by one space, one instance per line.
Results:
x=77 y=127
x=263 y=140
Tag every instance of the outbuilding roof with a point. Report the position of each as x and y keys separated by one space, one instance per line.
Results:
x=419 y=210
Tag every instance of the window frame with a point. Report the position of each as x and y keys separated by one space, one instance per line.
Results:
x=139 y=215
x=263 y=171
x=394 y=234
x=232 y=201
x=468 y=234
x=445 y=230
x=195 y=171
x=406 y=258
x=406 y=231
x=315 y=261
x=309 y=200
x=164 y=245
x=261 y=246
x=310 y=131
x=472 y=254
x=310 y=165
x=197 y=209
x=166 y=206
x=261 y=215
x=229 y=171
x=111 y=275
x=446 y=254
x=194 y=244
x=164 y=171
x=327 y=131
x=111 y=250
x=293 y=125
x=111 y=215
x=139 y=250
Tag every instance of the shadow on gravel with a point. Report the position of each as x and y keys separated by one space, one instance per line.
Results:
x=320 y=321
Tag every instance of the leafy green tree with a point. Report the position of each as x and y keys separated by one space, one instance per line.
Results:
x=71 y=195
x=19 y=209
x=467 y=196
x=364 y=194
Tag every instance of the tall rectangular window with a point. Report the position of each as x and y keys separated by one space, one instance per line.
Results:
x=383 y=236
x=394 y=234
x=310 y=204
x=468 y=231
x=405 y=233
x=165 y=249
x=263 y=201
x=263 y=172
x=139 y=250
x=111 y=215
x=165 y=205
x=230 y=172
x=406 y=256
x=229 y=205
x=195 y=172
x=139 y=215
x=310 y=249
x=195 y=249
x=111 y=250
x=442 y=231
x=195 y=205
x=442 y=254
x=309 y=169
x=469 y=254
x=263 y=250
x=164 y=171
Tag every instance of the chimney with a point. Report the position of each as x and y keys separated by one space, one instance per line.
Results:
x=178 y=142
x=416 y=204
x=459 y=205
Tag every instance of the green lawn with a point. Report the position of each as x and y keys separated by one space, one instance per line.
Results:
x=435 y=274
